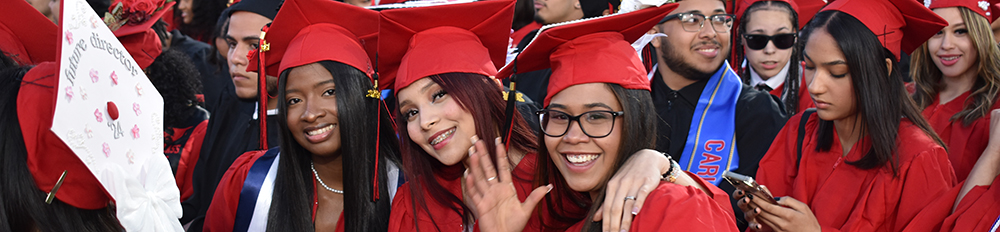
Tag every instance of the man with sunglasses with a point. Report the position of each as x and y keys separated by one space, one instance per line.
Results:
x=711 y=122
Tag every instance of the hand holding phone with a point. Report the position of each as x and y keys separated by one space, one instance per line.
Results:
x=748 y=186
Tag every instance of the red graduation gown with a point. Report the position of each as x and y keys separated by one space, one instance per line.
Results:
x=805 y=101
x=965 y=143
x=672 y=207
x=401 y=218
x=221 y=214
x=844 y=197
x=976 y=212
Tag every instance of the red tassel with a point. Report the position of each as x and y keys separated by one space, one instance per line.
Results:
x=378 y=137
x=262 y=88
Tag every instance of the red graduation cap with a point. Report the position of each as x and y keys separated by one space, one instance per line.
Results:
x=132 y=24
x=892 y=20
x=805 y=9
x=48 y=156
x=305 y=32
x=423 y=41
x=27 y=35
x=590 y=51
x=981 y=7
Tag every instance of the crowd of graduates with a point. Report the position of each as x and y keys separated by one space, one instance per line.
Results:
x=531 y=115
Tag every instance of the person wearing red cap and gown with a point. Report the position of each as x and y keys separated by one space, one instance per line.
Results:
x=582 y=57
x=770 y=65
x=48 y=184
x=335 y=169
x=860 y=166
x=425 y=55
x=965 y=123
x=28 y=38
x=955 y=94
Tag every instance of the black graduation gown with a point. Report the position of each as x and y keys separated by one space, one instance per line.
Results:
x=759 y=118
x=232 y=131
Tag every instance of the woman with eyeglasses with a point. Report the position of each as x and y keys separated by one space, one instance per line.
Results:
x=768 y=31
x=866 y=160
x=441 y=70
x=596 y=117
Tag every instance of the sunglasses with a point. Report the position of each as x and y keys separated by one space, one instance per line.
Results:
x=781 y=41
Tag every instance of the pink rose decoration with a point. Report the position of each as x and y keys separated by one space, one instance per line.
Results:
x=114 y=78
x=135 y=132
x=135 y=107
x=99 y=115
x=107 y=150
x=93 y=75
x=69 y=92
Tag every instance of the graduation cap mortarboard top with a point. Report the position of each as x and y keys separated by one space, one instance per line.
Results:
x=590 y=51
x=266 y=8
x=981 y=7
x=132 y=21
x=26 y=34
x=93 y=127
x=423 y=41
x=900 y=25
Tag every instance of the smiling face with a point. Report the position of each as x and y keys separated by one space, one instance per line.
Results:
x=187 y=10
x=436 y=121
x=952 y=49
x=693 y=55
x=310 y=95
x=769 y=61
x=830 y=86
x=557 y=11
x=585 y=162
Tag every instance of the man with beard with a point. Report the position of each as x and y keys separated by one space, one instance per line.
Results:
x=711 y=122
x=551 y=12
x=234 y=127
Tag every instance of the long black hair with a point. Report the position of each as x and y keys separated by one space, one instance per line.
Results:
x=291 y=204
x=791 y=91
x=881 y=98
x=22 y=204
x=638 y=132
x=206 y=13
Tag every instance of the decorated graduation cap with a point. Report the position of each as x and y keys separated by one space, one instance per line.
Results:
x=93 y=127
x=422 y=41
x=590 y=51
x=804 y=9
x=987 y=9
x=132 y=21
x=27 y=35
x=893 y=20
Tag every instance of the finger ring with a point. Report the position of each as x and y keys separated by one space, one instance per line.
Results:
x=491 y=178
x=630 y=198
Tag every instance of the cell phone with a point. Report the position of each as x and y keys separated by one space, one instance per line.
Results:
x=748 y=185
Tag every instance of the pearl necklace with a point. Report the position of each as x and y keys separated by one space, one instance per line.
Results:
x=313 y=167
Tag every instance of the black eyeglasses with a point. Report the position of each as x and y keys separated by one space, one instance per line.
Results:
x=781 y=41
x=596 y=124
x=693 y=22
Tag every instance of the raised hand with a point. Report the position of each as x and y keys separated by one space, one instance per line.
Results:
x=490 y=193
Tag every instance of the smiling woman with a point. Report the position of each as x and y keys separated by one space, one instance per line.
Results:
x=335 y=169
x=957 y=73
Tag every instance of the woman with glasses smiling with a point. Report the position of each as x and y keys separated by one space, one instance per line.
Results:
x=596 y=117
x=768 y=32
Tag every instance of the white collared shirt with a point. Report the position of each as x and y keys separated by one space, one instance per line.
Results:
x=774 y=82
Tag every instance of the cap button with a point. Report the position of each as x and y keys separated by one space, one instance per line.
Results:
x=112 y=110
